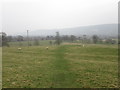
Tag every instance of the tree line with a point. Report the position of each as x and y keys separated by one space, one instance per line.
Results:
x=58 y=39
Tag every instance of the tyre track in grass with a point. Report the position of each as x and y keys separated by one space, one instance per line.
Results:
x=62 y=77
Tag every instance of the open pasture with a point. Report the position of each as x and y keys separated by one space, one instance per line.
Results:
x=25 y=43
x=64 y=66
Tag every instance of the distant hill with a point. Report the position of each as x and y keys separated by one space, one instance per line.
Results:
x=104 y=29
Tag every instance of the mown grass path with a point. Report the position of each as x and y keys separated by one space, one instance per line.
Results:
x=62 y=76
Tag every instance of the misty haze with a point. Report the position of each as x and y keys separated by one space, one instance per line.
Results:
x=59 y=44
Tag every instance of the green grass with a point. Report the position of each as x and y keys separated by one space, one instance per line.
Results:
x=25 y=43
x=64 y=66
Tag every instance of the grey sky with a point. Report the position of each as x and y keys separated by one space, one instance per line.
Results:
x=19 y=15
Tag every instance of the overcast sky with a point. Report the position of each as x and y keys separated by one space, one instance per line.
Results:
x=20 y=15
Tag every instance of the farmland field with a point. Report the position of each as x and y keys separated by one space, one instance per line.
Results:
x=24 y=43
x=64 y=66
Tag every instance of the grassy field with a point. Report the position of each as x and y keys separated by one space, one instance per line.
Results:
x=25 y=43
x=64 y=66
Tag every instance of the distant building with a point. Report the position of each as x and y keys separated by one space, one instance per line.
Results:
x=103 y=40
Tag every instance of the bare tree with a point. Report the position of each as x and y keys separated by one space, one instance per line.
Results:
x=72 y=37
x=20 y=39
x=58 y=40
x=95 y=39
x=4 y=39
